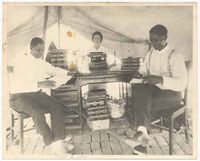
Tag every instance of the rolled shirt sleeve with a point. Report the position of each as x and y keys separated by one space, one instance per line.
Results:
x=178 y=81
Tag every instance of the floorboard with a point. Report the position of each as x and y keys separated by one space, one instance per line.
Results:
x=89 y=142
x=106 y=148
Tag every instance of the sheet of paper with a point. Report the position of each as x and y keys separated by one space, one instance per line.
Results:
x=116 y=68
x=133 y=81
x=60 y=80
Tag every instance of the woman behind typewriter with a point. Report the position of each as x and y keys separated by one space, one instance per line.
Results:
x=97 y=39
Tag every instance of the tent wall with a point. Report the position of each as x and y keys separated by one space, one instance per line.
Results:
x=125 y=28
x=24 y=23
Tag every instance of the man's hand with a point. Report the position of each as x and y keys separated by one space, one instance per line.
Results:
x=152 y=79
x=47 y=84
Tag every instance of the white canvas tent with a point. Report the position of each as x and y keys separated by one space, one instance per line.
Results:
x=124 y=27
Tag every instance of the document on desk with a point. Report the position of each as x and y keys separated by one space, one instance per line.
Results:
x=134 y=81
x=60 y=80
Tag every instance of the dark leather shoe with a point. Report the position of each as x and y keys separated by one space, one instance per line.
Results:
x=141 y=149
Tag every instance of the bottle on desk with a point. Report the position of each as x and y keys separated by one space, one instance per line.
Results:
x=72 y=66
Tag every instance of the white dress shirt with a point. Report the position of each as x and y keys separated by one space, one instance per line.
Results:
x=28 y=71
x=158 y=65
x=93 y=49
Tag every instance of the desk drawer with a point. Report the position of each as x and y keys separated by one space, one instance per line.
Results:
x=72 y=121
x=65 y=96
x=66 y=87
x=72 y=110
x=71 y=104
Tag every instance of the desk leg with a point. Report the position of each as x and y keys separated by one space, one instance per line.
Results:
x=80 y=103
x=120 y=96
x=132 y=101
x=127 y=94
x=122 y=90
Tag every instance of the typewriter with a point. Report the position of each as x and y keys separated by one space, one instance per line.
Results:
x=98 y=61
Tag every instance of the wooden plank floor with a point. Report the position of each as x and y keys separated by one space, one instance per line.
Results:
x=89 y=142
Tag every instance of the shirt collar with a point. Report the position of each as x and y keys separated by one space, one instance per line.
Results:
x=30 y=56
x=100 y=48
x=164 y=50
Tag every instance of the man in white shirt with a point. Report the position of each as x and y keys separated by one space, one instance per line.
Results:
x=164 y=77
x=27 y=97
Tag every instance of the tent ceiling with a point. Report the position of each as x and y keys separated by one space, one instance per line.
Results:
x=119 y=24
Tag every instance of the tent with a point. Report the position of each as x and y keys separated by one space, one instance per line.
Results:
x=125 y=27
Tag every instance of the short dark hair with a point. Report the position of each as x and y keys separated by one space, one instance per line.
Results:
x=35 y=41
x=97 y=33
x=159 y=30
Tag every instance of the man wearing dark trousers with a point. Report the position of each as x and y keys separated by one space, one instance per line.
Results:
x=164 y=77
x=27 y=97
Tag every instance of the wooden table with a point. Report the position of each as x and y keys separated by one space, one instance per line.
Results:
x=102 y=77
x=105 y=77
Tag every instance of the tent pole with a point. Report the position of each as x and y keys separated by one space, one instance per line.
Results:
x=59 y=16
x=45 y=23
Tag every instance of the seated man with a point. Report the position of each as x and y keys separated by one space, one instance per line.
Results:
x=27 y=96
x=165 y=76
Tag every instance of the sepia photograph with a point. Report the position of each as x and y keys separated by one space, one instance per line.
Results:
x=99 y=80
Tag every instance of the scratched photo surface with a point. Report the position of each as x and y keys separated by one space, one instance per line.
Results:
x=99 y=80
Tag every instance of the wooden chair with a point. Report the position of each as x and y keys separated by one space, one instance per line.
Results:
x=20 y=117
x=171 y=115
x=16 y=116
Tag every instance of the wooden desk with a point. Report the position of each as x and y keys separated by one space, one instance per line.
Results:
x=105 y=77
x=102 y=77
x=71 y=95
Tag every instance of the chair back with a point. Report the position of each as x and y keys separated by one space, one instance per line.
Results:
x=185 y=92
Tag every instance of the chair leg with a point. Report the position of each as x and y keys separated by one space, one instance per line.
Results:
x=12 y=127
x=186 y=129
x=21 y=134
x=127 y=101
x=171 y=139
x=161 y=123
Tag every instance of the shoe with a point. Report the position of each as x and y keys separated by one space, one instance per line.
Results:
x=68 y=138
x=140 y=137
x=68 y=147
x=58 y=149
x=141 y=149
